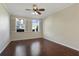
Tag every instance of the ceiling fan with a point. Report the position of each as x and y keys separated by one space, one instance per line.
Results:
x=36 y=9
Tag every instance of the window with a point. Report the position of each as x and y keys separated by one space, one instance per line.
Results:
x=35 y=25
x=20 y=25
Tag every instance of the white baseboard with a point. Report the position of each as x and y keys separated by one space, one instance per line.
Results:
x=61 y=44
x=5 y=46
x=25 y=39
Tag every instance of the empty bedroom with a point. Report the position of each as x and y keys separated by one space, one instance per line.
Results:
x=39 y=29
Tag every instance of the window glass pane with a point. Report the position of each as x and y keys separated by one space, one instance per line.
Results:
x=20 y=26
x=35 y=25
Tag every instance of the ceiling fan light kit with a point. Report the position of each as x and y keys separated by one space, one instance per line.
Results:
x=34 y=13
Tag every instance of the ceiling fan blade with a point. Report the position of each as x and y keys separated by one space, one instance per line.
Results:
x=41 y=9
x=28 y=9
x=34 y=5
x=38 y=12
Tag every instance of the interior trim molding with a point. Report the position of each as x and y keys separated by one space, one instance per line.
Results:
x=26 y=39
x=62 y=44
x=5 y=46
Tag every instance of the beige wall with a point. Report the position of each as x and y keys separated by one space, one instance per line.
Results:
x=4 y=28
x=63 y=27
x=28 y=34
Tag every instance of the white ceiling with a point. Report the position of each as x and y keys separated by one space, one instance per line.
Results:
x=18 y=9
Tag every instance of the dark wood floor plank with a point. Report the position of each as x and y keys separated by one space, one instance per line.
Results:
x=37 y=47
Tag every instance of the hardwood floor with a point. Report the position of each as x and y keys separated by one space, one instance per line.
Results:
x=37 y=47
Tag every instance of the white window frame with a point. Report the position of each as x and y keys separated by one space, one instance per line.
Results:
x=16 y=24
x=38 y=25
